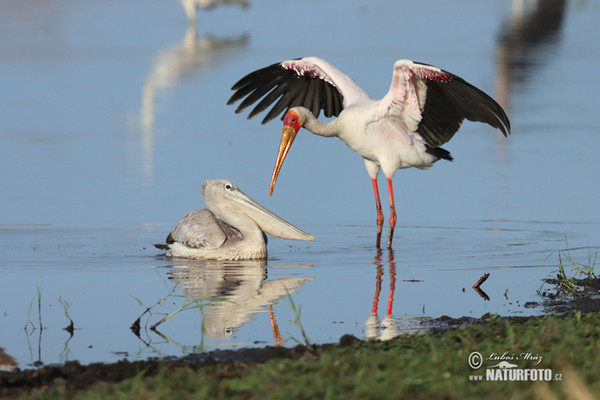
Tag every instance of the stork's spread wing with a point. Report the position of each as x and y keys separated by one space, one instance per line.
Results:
x=309 y=82
x=198 y=229
x=433 y=103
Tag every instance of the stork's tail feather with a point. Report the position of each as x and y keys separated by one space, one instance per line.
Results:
x=439 y=153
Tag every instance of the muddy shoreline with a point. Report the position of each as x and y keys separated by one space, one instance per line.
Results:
x=18 y=383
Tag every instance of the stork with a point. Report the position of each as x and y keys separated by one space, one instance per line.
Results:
x=423 y=109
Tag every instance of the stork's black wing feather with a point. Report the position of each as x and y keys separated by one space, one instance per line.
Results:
x=450 y=102
x=285 y=88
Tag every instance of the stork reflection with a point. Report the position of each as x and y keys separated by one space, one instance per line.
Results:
x=191 y=6
x=173 y=65
x=390 y=326
x=527 y=41
x=237 y=292
x=386 y=329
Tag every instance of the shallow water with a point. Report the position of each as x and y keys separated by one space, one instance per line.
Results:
x=113 y=116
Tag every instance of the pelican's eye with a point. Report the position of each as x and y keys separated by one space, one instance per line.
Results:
x=229 y=186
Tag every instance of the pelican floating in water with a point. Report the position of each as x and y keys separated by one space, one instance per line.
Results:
x=232 y=227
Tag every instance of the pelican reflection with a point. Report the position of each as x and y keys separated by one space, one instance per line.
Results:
x=239 y=291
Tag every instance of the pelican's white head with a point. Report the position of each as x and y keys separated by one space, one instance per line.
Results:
x=228 y=202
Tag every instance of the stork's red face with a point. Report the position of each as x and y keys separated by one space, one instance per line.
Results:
x=291 y=126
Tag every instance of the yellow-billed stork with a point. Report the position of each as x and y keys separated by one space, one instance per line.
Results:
x=423 y=109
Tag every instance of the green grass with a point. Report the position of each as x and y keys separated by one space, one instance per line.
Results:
x=429 y=366
x=297 y=310
x=28 y=322
x=580 y=281
x=66 y=305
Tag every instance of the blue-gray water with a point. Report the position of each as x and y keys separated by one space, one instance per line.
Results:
x=112 y=116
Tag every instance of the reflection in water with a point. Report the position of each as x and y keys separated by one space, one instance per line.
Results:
x=279 y=341
x=479 y=290
x=483 y=294
x=33 y=331
x=239 y=290
x=386 y=329
x=190 y=6
x=7 y=362
x=172 y=65
x=390 y=327
x=527 y=41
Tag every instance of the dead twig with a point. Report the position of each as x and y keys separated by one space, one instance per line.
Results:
x=135 y=327
x=481 y=280
x=480 y=291
x=482 y=294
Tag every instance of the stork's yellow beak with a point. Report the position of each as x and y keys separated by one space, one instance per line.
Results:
x=287 y=138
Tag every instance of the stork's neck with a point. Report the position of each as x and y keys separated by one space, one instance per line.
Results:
x=327 y=129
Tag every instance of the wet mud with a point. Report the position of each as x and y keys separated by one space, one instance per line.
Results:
x=19 y=383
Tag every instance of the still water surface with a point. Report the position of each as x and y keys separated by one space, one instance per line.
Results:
x=114 y=113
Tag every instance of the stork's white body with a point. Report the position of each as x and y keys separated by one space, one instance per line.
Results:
x=422 y=110
x=380 y=141
x=382 y=131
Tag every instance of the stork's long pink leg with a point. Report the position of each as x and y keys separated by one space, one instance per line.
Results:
x=392 y=282
x=379 y=213
x=392 y=213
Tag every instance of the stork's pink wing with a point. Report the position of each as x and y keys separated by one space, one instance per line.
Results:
x=432 y=103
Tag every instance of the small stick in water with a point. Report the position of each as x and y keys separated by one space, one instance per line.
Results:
x=481 y=280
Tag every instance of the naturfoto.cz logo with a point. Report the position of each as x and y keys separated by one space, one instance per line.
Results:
x=505 y=367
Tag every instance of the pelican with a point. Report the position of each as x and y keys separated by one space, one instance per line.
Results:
x=423 y=109
x=232 y=227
